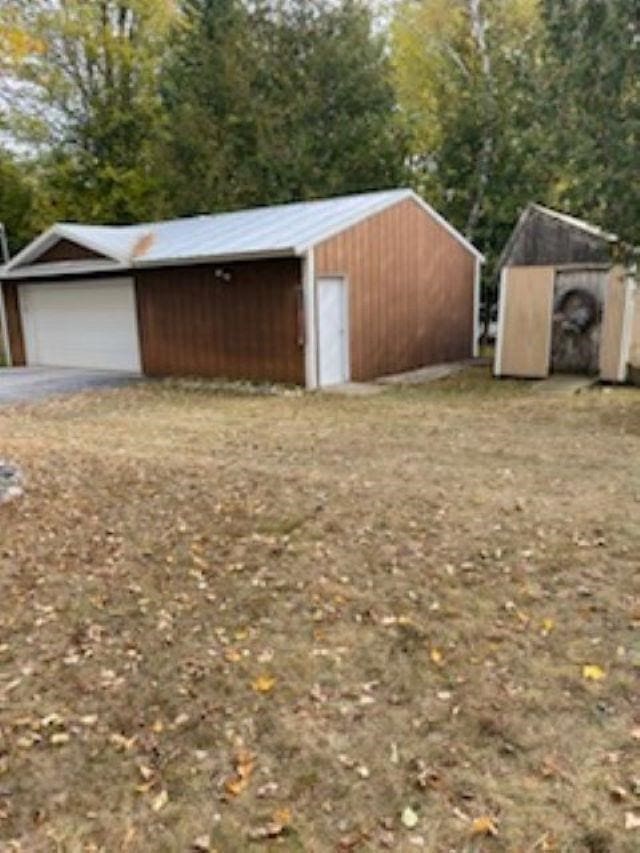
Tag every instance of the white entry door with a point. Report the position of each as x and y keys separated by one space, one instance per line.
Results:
x=333 y=331
x=88 y=324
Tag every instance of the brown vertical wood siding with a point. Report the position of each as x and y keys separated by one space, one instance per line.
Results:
x=14 y=323
x=411 y=291
x=192 y=323
x=66 y=250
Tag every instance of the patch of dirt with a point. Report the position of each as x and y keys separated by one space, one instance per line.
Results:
x=320 y=623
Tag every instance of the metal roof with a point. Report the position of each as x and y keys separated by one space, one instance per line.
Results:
x=283 y=230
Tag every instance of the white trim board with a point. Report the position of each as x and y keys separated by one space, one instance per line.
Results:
x=497 y=359
x=309 y=303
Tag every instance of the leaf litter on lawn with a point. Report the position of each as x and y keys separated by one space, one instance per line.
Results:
x=338 y=608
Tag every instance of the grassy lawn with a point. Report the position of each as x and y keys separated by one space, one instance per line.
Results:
x=348 y=624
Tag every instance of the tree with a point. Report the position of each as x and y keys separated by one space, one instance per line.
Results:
x=311 y=114
x=92 y=82
x=593 y=61
x=207 y=92
x=16 y=202
x=470 y=87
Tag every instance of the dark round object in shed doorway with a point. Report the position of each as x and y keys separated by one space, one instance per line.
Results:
x=578 y=310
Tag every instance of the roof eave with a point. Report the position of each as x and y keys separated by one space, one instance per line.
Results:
x=57 y=269
x=228 y=258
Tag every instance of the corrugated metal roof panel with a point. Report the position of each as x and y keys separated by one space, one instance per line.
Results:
x=288 y=229
x=283 y=228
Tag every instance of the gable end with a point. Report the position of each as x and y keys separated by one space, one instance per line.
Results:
x=66 y=250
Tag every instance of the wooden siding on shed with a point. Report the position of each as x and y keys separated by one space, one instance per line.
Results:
x=194 y=324
x=14 y=323
x=523 y=347
x=411 y=291
x=613 y=361
x=541 y=239
x=634 y=343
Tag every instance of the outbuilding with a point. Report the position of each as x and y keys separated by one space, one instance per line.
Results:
x=567 y=302
x=312 y=293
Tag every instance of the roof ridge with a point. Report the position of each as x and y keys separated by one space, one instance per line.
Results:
x=255 y=209
x=570 y=219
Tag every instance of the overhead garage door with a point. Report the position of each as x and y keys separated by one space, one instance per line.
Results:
x=81 y=324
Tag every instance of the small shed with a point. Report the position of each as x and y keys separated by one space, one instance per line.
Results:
x=312 y=293
x=564 y=305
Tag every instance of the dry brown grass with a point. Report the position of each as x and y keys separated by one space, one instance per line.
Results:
x=423 y=573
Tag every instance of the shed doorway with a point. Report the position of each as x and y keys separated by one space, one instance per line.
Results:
x=333 y=331
x=577 y=320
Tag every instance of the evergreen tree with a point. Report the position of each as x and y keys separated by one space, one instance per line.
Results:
x=16 y=202
x=278 y=102
x=593 y=63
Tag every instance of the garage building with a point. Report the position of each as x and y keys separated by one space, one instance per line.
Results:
x=313 y=293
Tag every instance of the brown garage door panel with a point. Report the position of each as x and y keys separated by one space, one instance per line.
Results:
x=524 y=336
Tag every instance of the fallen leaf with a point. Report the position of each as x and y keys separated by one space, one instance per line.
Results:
x=236 y=786
x=632 y=820
x=593 y=672
x=436 y=656
x=281 y=820
x=484 y=825
x=160 y=801
x=409 y=818
x=283 y=816
x=59 y=739
x=245 y=765
x=547 y=626
x=264 y=684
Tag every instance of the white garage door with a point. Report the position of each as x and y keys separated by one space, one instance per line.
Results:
x=81 y=324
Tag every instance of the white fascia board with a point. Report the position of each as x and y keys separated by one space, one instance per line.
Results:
x=33 y=249
x=63 y=268
x=356 y=219
x=216 y=259
x=49 y=238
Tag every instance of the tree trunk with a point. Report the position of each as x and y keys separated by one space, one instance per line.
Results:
x=478 y=23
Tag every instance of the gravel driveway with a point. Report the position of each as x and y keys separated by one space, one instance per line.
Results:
x=28 y=384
